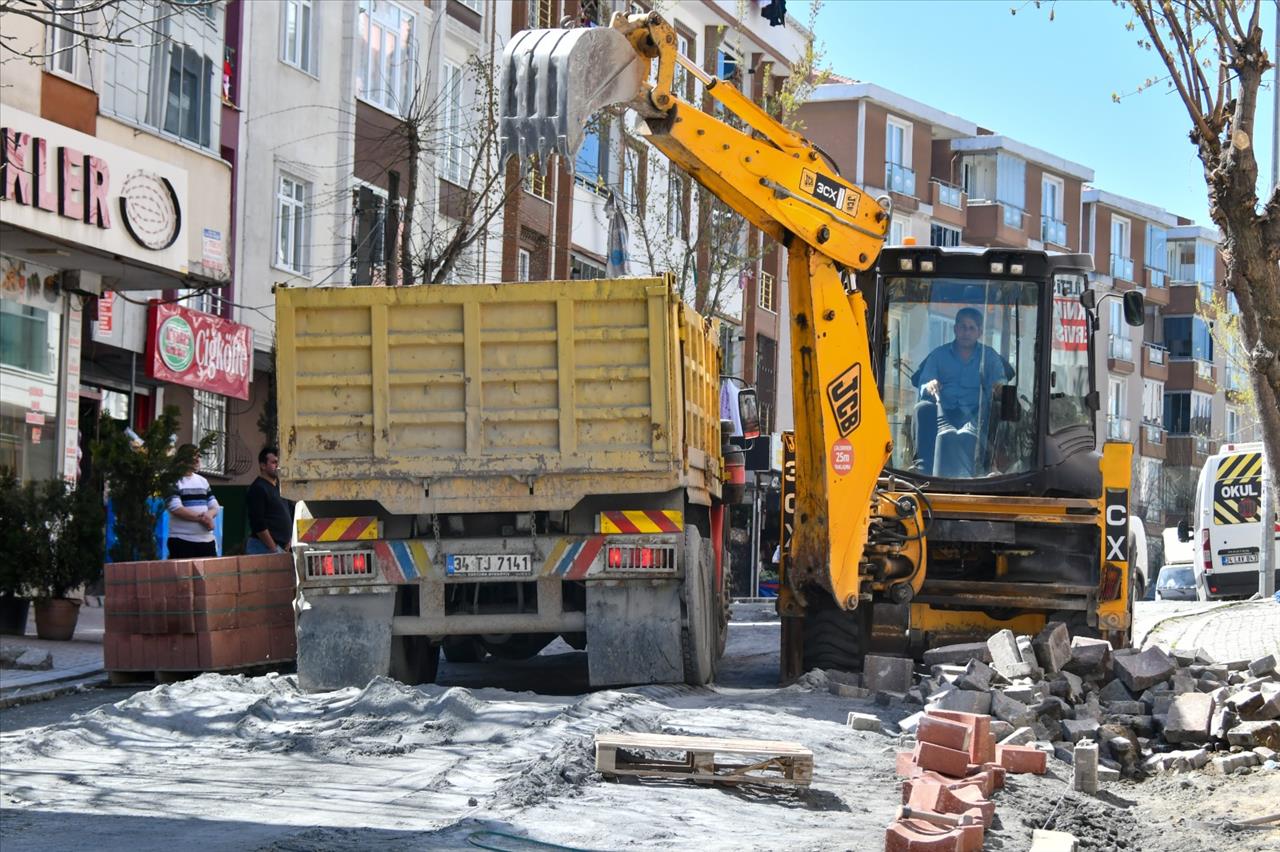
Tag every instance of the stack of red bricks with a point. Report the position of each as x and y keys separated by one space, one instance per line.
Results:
x=952 y=773
x=199 y=615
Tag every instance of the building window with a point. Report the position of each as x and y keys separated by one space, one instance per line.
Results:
x=677 y=204
x=682 y=84
x=64 y=44
x=632 y=170
x=540 y=14
x=943 y=235
x=30 y=340
x=899 y=176
x=455 y=159
x=523 y=262
x=766 y=379
x=1121 y=259
x=584 y=268
x=1152 y=401
x=386 y=55
x=897 y=231
x=536 y=181
x=473 y=5
x=765 y=294
x=368 y=235
x=188 y=104
x=1188 y=413
x=1188 y=337
x=591 y=166
x=1052 y=227
x=297 y=21
x=211 y=418
x=1157 y=259
x=291 y=222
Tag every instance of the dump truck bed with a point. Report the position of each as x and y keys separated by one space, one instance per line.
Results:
x=495 y=397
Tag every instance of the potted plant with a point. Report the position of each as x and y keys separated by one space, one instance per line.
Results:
x=17 y=544
x=69 y=548
x=140 y=470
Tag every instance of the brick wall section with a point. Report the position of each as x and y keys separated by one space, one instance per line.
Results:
x=199 y=615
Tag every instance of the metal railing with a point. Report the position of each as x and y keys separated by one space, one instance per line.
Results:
x=899 y=178
x=1122 y=267
x=1053 y=231
x=949 y=194
x=1117 y=428
x=1156 y=354
x=1153 y=432
x=1204 y=370
x=1119 y=347
x=1155 y=277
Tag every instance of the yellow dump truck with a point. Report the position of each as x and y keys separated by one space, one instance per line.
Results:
x=483 y=468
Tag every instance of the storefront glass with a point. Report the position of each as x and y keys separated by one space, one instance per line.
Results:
x=30 y=365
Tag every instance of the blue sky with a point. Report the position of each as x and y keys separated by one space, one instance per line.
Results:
x=1045 y=83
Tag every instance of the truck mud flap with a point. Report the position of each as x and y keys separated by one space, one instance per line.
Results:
x=633 y=633
x=344 y=640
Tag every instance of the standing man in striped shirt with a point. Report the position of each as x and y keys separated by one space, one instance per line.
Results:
x=192 y=508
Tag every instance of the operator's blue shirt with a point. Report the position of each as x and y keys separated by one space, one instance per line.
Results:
x=963 y=383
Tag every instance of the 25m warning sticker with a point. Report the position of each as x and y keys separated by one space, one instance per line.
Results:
x=1237 y=493
x=830 y=192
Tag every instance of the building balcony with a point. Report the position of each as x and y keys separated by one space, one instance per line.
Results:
x=1188 y=450
x=1151 y=440
x=1155 y=362
x=991 y=223
x=1122 y=268
x=1120 y=354
x=1119 y=428
x=949 y=203
x=1192 y=374
x=1053 y=231
x=900 y=179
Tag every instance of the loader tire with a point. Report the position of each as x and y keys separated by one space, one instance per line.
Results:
x=517 y=646
x=833 y=639
x=415 y=660
x=698 y=639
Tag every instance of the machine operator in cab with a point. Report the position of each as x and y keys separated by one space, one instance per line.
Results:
x=956 y=384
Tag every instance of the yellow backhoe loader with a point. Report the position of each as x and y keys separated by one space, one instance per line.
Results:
x=1004 y=518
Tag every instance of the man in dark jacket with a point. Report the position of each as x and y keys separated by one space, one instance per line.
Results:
x=270 y=515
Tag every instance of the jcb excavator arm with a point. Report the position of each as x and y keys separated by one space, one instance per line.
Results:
x=554 y=81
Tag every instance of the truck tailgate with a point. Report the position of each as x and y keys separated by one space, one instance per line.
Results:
x=493 y=397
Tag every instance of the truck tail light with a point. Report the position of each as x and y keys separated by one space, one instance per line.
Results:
x=340 y=564
x=1206 y=558
x=627 y=557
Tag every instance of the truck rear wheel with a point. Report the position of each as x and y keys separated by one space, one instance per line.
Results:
x=415 y=660
x=517 y=646
x=698 y=634
x=833 y=638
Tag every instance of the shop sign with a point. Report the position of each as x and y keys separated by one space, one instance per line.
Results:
x=199 y=350
x=107 y=312
x=35 y=418
x=76 y=187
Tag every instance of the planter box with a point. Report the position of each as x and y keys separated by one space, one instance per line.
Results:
x=199 y=614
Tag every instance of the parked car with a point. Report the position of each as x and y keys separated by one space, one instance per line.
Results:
x=1177 y=582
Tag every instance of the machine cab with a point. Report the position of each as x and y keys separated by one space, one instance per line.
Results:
x=985 y=361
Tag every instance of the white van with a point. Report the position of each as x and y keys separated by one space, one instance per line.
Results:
x=1228 y=522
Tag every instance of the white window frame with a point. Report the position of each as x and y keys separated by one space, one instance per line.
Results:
x=455 y=154
x=1115 y=398
x=292 y=248
x=1059 y=187
x=894 y=123
x=897 y=231
x=394 y=99
x=304 y=40
x=64 y=47
x=209 y=414
x=1153 y=401
x=948 y=228
x=1121 y=225
x=378 y=274
x=765 y=292
x=524 y=261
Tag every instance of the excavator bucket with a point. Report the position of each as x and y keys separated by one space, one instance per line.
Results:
x=554 y=81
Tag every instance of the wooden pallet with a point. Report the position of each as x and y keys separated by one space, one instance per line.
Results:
x=775 y=763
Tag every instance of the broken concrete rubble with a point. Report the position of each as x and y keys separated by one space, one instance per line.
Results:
x=1052 y=646
x=1144 y=669
x=1189 y=718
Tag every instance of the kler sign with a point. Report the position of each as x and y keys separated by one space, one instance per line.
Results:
x=199 y=350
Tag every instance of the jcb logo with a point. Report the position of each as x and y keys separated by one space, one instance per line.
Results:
x=845 y=396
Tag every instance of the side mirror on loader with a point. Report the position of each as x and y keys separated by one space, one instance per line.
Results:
x=749 y=413
x=1133 y=308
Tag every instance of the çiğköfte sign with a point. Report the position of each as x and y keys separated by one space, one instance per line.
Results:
x=75 y=187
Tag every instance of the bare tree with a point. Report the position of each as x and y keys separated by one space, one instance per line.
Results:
x=87 y=24
x=1214 y=54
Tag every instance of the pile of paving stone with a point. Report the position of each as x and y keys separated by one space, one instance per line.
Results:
x=1109 y=711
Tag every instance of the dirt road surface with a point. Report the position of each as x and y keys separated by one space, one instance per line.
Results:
x=222 y=763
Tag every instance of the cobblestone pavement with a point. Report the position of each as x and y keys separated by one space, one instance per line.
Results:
x=1228 y=631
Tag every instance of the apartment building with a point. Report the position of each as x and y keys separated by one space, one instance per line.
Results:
x=116 y=190
x=1174 y=388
